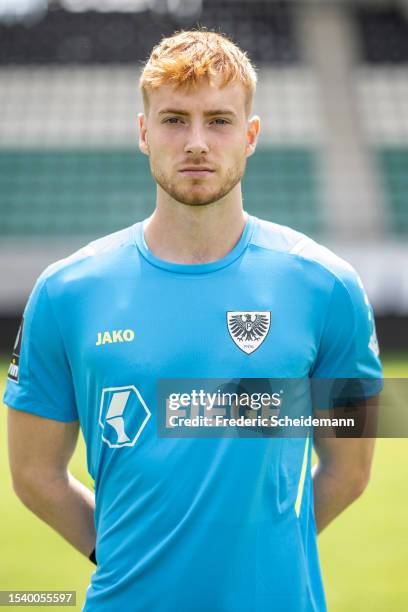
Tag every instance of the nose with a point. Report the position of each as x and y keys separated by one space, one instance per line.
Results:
x=196 y=143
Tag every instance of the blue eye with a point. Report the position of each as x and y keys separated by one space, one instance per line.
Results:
x=221 y=121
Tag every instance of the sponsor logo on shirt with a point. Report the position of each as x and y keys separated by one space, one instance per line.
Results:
x=115 y=335
x=248 y=329
x=123 y=415
x=13 y=371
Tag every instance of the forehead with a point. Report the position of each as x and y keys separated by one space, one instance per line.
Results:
x=203 y=97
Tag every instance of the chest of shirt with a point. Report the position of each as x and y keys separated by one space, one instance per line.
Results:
x=191 y=326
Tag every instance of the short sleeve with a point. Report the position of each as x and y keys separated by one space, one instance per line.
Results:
x=348 y=355
x=39 y=378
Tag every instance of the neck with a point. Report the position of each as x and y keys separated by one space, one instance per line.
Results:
x=195 y=234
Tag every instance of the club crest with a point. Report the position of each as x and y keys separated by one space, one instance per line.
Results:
x=248 y=329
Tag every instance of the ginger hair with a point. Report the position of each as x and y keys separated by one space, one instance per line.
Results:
x=188 y=57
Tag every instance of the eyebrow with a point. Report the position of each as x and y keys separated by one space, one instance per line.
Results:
x=211 y=113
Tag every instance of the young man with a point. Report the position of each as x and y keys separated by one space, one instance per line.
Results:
x=199 y=291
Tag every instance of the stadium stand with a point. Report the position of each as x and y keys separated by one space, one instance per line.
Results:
x=383 y=33
x=383 y=94
x=91 y=37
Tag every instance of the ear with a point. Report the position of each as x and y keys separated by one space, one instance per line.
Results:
x=254 y=126
x=143 y=143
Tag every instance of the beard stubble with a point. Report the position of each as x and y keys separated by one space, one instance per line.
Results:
x=182 y=195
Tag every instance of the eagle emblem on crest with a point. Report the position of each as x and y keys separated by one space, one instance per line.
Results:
x=248 y=329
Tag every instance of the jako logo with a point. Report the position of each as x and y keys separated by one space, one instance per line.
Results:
x=116 y=335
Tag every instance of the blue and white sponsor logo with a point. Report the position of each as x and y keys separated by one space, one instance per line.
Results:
x=123 y=416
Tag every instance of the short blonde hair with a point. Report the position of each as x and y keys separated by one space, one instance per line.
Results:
x=187 y=57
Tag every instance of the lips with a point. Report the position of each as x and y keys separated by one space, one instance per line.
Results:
x=196 y=169
x=196 y=172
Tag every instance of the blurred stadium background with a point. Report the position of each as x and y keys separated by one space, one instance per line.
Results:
x=332 y=161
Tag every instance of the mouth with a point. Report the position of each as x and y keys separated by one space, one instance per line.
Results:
x=196 y=171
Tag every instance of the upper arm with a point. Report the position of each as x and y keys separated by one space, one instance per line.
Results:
x=347 y=379
x=39 y=446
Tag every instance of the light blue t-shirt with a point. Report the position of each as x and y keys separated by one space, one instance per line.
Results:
x=220 y=524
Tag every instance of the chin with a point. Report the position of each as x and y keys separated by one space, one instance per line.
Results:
x=200 y=200
x=196 y=195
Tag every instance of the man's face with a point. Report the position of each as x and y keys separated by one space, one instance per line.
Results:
x=198 y=140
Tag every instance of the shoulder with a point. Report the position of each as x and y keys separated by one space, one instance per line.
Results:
x=94 y=260
x=303 y=251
